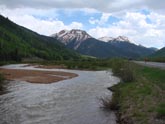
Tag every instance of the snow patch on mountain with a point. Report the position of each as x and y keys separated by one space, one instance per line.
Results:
x=106 y=39
x=118 y=39
x=76 y=35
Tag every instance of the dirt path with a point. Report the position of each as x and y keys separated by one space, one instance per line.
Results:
x=151 y=64
x=34 y=76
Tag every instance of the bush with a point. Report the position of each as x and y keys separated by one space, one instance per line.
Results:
x=109 y=103
x=127 y=74
x=123 y=69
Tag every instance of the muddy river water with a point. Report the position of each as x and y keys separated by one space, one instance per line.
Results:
x=72 y=101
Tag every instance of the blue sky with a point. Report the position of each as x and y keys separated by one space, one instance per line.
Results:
x=140 y=20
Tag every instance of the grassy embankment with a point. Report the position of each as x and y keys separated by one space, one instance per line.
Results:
x=140 y=97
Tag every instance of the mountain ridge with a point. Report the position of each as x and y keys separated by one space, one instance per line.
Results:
x=66 y=36
x=112 y=39
x=114 y=47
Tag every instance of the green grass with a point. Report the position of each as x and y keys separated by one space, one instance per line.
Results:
x=83 y=64
x=123 y=69
x=139 y=100
x=161 y=110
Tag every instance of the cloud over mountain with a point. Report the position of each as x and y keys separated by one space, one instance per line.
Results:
x=101 y=5
x=141 y=20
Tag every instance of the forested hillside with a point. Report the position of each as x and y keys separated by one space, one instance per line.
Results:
x=17 y=42
x=159 y=53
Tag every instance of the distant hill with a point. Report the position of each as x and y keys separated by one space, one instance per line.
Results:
x=159 y=53
x=130 y=49
x=17 y=42
x=153 y=48
x=105 y=47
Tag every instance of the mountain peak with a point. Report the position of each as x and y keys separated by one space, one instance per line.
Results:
x=111 y=39
x=77 y=35
x=122 y=38
x=106 y=39
x=62 y=32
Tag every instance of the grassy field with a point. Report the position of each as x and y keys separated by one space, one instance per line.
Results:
x=140 y=100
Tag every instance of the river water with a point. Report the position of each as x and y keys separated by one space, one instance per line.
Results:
x=73 y=101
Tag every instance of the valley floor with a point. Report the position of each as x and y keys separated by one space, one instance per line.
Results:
x=36 y=76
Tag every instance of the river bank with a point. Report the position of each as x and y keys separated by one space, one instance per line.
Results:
x=33 y=76
x=142 y=100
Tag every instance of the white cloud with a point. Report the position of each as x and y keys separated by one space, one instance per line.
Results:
x=75 y=25
x=24 y=17
x=101 y=5
x=111 y=31
x=104 y=18
x=157 y=19
x=134 y=26
x=46 y=27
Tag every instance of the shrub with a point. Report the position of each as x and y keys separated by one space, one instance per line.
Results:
x=123 y=69
x=126 y=73
x=109 y=103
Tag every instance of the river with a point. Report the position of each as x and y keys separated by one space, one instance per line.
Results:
x=73 y=101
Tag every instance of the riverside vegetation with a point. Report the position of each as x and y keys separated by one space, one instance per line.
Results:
x=139 y=97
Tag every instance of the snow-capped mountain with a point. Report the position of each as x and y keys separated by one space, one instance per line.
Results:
x=83 y=43
x=106 y=39
x=122 y=38
x=76 y=35
x=118 y=39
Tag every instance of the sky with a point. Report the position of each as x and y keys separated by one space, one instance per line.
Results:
x=142 y=21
